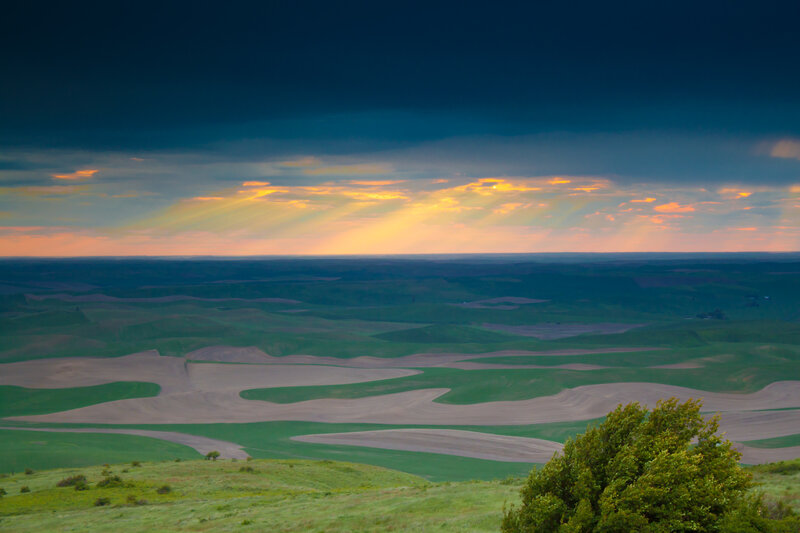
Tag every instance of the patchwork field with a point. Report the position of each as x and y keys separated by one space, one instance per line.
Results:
x=449 y=369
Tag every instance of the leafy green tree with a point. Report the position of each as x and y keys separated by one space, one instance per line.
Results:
x=640 y=470
x=212 y=455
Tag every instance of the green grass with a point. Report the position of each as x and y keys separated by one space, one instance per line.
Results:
x=282 y=496
x=20 y=401
x=779 y=481
x=277 y=496
x=39 y=449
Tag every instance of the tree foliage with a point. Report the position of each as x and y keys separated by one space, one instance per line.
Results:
x=640 y=470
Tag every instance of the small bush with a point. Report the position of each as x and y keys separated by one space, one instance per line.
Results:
x=178 y=460
x=2 y=492
x=25 y=488
x=72 y=481
x=136 y=463
x=81 y=485
x=246 y=522
x=247 y=469
x=99 y=502
x=133 y=501
x=110 y=481
x=212 y=455
x=164 y=489
x=28 y=471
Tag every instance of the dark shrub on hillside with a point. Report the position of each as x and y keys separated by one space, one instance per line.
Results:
x=637 y=472
x=28 y=471
x=71 y=481
x=99 y=502
x=25 y=488
x=110 y=482
x=164 y=489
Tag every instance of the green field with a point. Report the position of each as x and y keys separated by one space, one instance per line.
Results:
x=40 y=450
x=18 y=401
x=730 y=323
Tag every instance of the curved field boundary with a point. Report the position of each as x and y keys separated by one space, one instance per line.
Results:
x=202 y=444
x=175 y=375
x=104 y=298
x=493 y=447
x=760 y=456
x=418 y=407
x=446 y=441
x=251 y=354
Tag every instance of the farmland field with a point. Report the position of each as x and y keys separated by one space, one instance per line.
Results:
x=268 y=356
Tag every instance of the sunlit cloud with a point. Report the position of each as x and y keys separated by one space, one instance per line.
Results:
x=673 y=207
x=77 y=175
x=268 y=211
x=734 y=192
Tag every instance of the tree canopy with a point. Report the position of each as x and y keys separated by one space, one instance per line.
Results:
x=649 y=471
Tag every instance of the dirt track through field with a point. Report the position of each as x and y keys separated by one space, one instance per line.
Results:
x=202 y=444
x=493 y=447
x=175 y=375
x=760 y=456
x=418 y=407
x=104 y=298
x=446 y=441
x=557 y=330
x=252 y=354
x=503 y=303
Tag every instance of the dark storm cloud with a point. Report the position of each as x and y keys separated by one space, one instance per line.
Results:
x=111 y=73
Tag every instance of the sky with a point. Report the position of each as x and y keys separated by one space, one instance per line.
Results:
x=261 y=128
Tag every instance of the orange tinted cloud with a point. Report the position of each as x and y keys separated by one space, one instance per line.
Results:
x=643 y=201
x=77 y=175
x=556 y=181
x=255 y=184
x=737 y=193
x=674 y=207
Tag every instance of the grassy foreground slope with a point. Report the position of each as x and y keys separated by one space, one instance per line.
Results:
x=286 y=496
x=274 y=496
